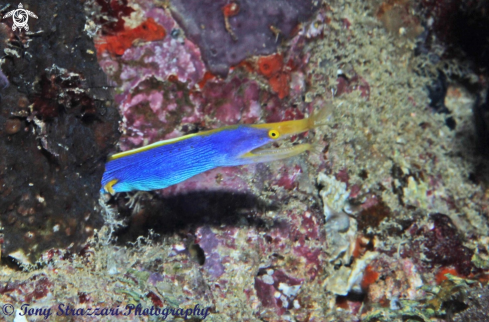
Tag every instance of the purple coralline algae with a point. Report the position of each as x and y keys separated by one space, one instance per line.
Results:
x=277 y=290
x=31 y=290
x=443 y=246
x=257 y=29
x=172 y=56
x=208 y=242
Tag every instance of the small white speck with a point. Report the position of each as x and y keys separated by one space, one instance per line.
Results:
x=179 y=247
x=285 y=303
x=296 y=304
x=267 y=279
x=289 y=290
x=112 y=271
x=31 y=184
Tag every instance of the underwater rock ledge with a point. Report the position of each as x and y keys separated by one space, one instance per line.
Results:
x=56 y=126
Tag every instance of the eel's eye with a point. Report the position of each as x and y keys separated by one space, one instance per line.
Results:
x=273 y=134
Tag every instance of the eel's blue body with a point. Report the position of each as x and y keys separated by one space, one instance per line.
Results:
x=169 y=162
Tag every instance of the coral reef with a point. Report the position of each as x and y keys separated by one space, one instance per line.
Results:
x=57 y=125
x=481 y=121
x=456 y=24
x=444 y=247
x=256 y=29
x=477 y=310
x=385 y=221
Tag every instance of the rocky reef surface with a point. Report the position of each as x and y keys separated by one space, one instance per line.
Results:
x=385 y=220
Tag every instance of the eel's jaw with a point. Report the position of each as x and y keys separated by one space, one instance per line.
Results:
x=266 y=155
x=285 y=130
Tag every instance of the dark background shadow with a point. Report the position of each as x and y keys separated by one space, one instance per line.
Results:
x=183 y=213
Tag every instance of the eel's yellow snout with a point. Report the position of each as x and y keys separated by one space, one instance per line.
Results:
x=281 y=130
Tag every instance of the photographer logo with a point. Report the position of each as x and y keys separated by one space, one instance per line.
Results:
x=20 y=17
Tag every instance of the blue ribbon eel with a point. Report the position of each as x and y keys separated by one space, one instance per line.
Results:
x=165 y=163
